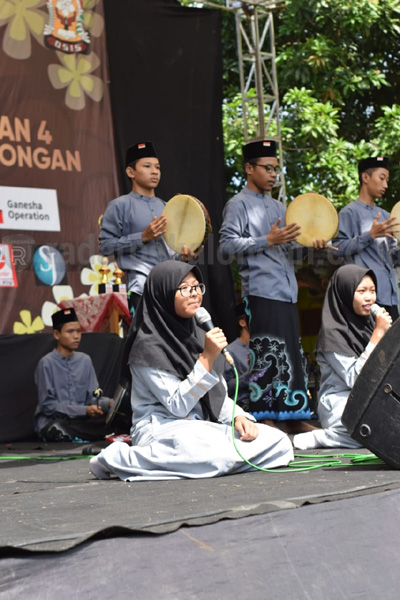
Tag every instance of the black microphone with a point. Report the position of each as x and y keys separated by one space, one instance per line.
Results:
x=203 y=319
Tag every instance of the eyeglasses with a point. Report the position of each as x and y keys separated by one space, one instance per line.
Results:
x=186 y=290
x=268 y=168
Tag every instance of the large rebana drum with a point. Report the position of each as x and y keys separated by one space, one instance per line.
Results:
x=316 y=216
x=396 y=213
x=188 y=223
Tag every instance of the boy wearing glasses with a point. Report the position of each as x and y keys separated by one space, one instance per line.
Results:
x=254 y=232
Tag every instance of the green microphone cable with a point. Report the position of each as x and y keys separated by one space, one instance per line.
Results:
x=304 y=462
x=77 y=457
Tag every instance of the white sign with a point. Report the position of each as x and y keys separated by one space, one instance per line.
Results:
x=29 y=209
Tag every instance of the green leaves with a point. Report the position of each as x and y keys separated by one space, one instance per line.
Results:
x=338 y=69
x=338 y=72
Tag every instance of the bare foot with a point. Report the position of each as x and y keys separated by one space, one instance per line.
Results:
x=98 y=469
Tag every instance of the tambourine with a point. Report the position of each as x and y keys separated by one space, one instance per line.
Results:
x=188 y=223
x=396 y=213
x=316 y=216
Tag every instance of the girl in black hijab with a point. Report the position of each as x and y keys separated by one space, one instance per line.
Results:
x=347 y=337
x=181 y=423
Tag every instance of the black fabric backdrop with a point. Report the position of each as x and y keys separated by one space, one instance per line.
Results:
x=20 y=355
x=166 y=86
x=344 y=550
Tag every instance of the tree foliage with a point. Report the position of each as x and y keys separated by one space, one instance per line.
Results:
x=338 y=73
x=339 y=80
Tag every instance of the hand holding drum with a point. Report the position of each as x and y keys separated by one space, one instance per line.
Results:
x=282 y=235
x=155 y=229
x=395 y=227
x=188 y=224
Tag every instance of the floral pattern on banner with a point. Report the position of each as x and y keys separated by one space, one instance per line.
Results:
x=27 y=325
x=93 y=276
x=74 y=73
x=23 y=19
x=91 y=20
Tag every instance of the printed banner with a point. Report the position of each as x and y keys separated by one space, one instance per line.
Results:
x=29 y=209
x=57 y=165
x=8 y=276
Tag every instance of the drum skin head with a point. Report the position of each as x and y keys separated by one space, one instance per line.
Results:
x=396 y=213
x=186 y=223
x=316 y=216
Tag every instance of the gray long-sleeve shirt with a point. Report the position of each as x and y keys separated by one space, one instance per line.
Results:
x=355 y=245
x=122 y=226
x=65 y=387
x=266 y=271
x=158 y=396
x=338 y=376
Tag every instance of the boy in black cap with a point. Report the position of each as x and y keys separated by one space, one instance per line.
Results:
x=254 y=231
x=133 y=226
x=69 y=405
x=365 y=234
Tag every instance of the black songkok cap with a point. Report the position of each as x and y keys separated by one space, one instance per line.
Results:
x=380 y=162
x=259 y=149
x=240 y=310
x=65 y=315
x=140 y=150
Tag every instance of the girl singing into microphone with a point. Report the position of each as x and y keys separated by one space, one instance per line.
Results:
x=181 y=424
x=347 y=337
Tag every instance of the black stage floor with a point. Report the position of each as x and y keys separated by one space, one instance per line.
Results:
x=56 y=517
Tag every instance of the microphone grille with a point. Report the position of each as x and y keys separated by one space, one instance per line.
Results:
x=202 y=315
x=374 y=309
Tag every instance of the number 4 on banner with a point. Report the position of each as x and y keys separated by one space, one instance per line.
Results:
x=44 y=134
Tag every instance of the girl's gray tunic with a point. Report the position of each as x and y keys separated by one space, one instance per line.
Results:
x=171 y=438
x=338 y=376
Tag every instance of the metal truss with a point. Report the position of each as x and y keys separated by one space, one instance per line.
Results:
x=257 y=70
